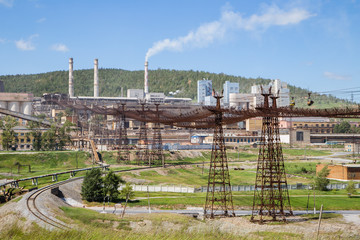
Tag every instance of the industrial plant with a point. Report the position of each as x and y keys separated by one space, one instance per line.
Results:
x=145 y=128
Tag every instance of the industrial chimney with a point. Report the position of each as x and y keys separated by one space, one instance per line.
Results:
x=96 y=78
x=71 y=78
x=146 y=86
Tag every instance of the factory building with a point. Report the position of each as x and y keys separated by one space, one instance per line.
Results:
x=229 y=88
x=17 y=102
x=278 y=88
x=204 y=89
x=341 y=172
x=133 y=95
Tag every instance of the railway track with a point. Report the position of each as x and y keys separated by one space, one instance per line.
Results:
x=33 y=208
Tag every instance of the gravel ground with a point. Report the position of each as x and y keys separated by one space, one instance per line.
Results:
x=17 y=212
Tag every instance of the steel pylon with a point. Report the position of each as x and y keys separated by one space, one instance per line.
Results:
x=124 y=152
x=157 y=155
x=219 y=196
x=143 y=156
x=271 y=197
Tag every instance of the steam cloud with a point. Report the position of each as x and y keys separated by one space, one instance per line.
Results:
x=230 y=20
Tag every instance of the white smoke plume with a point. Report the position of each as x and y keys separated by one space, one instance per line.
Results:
x=230 y=21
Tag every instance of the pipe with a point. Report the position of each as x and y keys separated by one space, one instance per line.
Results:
x=71 y=78
x=96 y=78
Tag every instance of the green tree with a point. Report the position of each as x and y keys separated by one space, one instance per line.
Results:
x=35 y=132
x=8 y=135
x=350 y=188
x=343 y=127
x=92 y=187
x=128 y=193
x=321 y=181
x=49 y=139
x=111 y=184
x=63 y=135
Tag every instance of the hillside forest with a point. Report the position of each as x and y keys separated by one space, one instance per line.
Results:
x=115 y=81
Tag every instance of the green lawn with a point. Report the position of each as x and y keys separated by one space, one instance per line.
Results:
x=307 y=152
x=42 y=163
x=243 y=200
x=197 y=176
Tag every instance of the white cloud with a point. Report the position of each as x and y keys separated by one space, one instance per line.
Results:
x=26 y=45
x=2 y=40
x=7 y=3
x=41 y=20
x=335 y=76
x=60 y=47
x=230 y=20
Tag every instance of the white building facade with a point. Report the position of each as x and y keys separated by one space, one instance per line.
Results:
x=204 y=88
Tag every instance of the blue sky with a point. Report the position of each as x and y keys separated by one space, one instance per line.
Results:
x=313 y=44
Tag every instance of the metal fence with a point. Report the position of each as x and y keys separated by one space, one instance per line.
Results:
x=234 y=188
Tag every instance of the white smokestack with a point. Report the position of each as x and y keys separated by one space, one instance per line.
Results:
x=71 y=78
x=146 y=86
x=96 y=78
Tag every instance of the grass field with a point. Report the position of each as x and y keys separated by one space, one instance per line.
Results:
x=42 y=163
x=243 y=200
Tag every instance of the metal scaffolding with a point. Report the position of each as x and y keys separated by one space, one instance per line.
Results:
x=157 y=155
x=143 y=156
x=123 y=153
x=219 y=196
x=271 y=197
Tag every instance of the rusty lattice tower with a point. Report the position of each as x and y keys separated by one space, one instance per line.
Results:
x=143 y=156
x=124 y=151
x=219 y=197
x=157 y=155
x=271 y=197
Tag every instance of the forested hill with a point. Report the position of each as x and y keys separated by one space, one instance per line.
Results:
x=161 y=80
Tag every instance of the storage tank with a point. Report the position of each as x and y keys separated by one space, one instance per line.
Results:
x=14 y=106
x=26 y=108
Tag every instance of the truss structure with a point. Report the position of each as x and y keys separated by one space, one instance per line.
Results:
x=157 y=155
x=219 y=196
x=123 y=152
x=143 y=156
x=271 y=197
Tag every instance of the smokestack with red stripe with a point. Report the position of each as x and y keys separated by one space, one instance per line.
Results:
x=146 y=86
x=96 y=78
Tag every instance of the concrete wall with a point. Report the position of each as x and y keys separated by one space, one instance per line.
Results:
x=336 y=171
x=305 y=133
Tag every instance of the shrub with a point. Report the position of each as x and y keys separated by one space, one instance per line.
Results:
x=321 y=181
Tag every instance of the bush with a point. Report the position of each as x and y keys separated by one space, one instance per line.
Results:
x=321 y=181
x=350 y=188
x=92 y=187
x=111 y=184
x=95 y=188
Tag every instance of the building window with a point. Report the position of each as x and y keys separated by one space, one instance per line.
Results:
x=322 y=125
x=300 y=136
x=22 y=140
